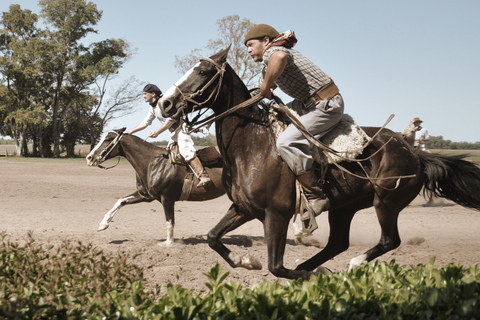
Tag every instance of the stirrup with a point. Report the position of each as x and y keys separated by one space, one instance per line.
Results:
x=307 y=215
x=309 y=223
x=204 y=183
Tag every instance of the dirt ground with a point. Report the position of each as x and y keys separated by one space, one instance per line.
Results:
x=62 y=199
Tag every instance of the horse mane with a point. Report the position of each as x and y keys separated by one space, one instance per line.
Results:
x=258 y=111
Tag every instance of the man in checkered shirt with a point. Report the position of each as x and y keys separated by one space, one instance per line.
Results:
x=316 y=100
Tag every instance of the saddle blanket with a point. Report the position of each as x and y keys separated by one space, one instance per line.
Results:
x=347 y=138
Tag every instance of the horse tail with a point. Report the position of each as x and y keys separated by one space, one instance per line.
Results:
x=452 y=177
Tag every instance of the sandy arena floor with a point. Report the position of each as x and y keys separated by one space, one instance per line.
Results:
x=62 y=199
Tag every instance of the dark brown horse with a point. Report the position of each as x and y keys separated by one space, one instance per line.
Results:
x=262 y=187
x=157 y=177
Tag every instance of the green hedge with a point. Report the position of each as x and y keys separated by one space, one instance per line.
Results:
x=77 y=281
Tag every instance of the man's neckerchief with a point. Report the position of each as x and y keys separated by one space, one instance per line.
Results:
x=286 y=39
x=154 y=103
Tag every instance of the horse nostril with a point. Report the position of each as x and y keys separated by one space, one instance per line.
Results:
x=166 y=106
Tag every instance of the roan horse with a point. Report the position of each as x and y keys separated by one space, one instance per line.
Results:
x=262 y=187
x=157 y=177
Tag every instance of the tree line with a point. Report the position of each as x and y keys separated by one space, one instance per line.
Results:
x=53 y=86
x=437 y=142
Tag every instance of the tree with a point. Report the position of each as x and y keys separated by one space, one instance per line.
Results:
x=20 y=49
x=231 y=31
x=122 y=101
x=71 y=20
x=53 y=86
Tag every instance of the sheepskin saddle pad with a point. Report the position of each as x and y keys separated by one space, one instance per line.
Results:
x=347 y=138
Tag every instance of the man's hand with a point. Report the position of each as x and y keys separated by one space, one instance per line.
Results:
x=266 y=92
x=153 y=134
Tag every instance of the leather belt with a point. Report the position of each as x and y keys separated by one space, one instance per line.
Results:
x=326 y=92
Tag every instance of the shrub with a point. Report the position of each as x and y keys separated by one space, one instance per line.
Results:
x=77 y=281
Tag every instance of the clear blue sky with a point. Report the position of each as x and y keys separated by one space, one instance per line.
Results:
x=410 y=58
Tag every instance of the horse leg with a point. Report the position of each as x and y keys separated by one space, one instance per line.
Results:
x=387 y=213
x=131 y=199
x=169 y=209
x=232 y=220
x=275 y=227
x=338 y=240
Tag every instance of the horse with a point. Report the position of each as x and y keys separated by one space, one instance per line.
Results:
x=157 y=177
x=387 y=175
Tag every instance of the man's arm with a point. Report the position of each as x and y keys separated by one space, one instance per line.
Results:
x=276 y=66
x=142 y=125
x=166 y=125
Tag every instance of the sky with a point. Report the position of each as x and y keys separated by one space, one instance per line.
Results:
x=410 y=58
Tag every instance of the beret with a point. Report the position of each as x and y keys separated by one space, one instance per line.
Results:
x=260 y=31
x=152 y=88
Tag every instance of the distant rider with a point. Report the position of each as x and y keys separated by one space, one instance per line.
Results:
x=152 y=94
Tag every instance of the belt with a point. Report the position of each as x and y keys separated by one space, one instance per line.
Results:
x=326 y=92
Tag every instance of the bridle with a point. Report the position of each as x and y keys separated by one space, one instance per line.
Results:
x=207 y=121
x=211 y=98
x=108 y=149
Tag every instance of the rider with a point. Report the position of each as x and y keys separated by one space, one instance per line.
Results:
x=421 y=134
x=152 y=94
x=316 y=99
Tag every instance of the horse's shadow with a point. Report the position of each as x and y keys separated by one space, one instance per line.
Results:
x=235 y=240
x=118 y=241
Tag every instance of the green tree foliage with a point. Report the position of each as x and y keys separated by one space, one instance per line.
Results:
x=53 y=86
x=208 y=140
x=199 y=141
x=437 y=142
x=231 y=32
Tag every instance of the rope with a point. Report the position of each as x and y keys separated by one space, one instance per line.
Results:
x=244 y=104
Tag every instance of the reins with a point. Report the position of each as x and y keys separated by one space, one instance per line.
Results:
x=244 y=104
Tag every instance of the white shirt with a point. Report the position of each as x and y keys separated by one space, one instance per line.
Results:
x=421 y=134
x=155 y=113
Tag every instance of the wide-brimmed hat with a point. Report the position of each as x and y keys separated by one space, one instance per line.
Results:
x=417 y=120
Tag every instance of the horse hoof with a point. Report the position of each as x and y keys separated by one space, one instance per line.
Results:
x=166 y=244
x=251 y=263
x=102 y=227
x=323 y=270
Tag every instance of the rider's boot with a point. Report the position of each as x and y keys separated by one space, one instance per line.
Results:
x=200 y=172
x=317 y=200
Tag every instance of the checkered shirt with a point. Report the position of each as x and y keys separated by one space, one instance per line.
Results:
x=301 y=77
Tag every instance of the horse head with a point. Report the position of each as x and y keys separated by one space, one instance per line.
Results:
x=106 y=149
x=197 y=89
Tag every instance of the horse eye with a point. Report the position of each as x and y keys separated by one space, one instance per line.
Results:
x=202 y=72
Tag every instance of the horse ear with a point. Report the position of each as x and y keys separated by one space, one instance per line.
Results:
x=221 y=56
x=121 y=130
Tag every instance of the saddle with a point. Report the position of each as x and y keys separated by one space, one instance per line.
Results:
x=209 y=156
